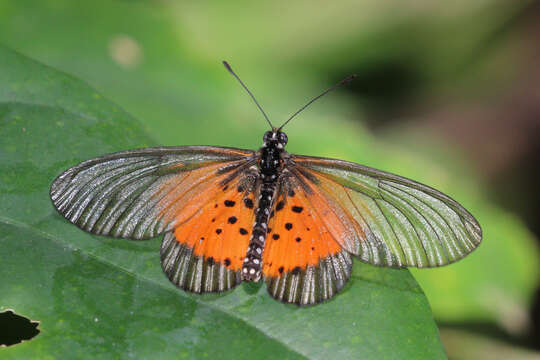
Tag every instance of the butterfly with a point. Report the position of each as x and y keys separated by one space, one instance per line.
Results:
x=230 y=215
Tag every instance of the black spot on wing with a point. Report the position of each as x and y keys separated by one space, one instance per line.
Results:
x=229 y=203
x=248 y=203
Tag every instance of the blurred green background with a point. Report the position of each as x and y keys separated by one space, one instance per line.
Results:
x=446 y=95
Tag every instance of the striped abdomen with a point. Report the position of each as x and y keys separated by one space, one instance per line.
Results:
x=251 y=270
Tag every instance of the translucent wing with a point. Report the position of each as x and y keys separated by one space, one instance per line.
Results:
x=303 y=263
x=138 y=194
x=397 y=222
x=206 y=250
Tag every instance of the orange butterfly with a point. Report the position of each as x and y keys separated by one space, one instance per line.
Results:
x=232 y=215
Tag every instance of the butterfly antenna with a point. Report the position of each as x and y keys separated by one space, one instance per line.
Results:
x=228 y=67
x=342 y=82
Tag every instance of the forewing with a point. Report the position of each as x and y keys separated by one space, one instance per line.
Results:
x=205 y=252
x=136 y=194
x=303 y=262
x=402 y=223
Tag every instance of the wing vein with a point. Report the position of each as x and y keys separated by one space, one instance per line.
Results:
x=405 y=216
x=73 y=190
x=91 y=196
x=298 y=176
x=443 y=248
x=440 y=215
x=393 y=231
x=359 y=213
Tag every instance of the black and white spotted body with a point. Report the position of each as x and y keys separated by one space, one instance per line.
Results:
x=270 y=167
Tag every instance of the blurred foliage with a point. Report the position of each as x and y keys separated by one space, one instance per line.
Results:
x=160 y=60
x=464 y=344
x=99 y=297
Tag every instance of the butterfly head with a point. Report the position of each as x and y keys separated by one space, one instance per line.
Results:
x=275 y=138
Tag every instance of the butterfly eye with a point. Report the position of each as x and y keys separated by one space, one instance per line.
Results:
x=267 y=136
x=283 y=138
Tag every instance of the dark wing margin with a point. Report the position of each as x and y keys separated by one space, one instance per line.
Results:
x=194 y=273
x=313 y=284
x=128 y=194
x=404 y=223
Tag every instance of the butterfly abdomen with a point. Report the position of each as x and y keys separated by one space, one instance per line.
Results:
x=251 y=270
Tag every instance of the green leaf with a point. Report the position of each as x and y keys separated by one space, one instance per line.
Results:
x=99 y=297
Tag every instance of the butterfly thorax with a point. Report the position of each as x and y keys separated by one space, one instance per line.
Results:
x=270 y=166
x=269 y=163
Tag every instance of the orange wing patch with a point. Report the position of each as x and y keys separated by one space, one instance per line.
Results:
x=310 y=237
x=220 y=229
x=182 y=196
x=206 y=249
x=297 y=237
